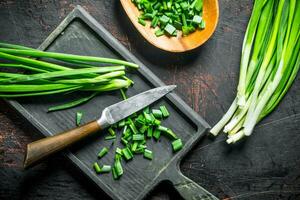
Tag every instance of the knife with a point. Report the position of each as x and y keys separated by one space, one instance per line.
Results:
x=40 y=149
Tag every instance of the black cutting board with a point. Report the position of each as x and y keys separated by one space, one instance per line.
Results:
x=81 y=34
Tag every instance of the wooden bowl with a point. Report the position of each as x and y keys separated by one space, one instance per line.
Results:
x=179 y=43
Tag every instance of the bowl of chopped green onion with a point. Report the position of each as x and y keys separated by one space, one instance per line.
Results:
x=175 y=26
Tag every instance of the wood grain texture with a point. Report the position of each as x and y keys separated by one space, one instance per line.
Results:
x=40 y=149
x=265 y=167
x=179 y=43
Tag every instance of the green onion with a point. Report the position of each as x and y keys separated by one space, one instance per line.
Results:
x=170 y=29
x=269 y=64
x=185 y=15
x=137 y=128
x=114 y=173
x=148 y=154
x=168 y=132
x=67 y=73
x=111 y=131
x=177 y=145
x=164 y=111
x=157 y=113
x=123 y=94
x=156 y=122
x=127 y=153
x=119 y=151
x=156 y=134
x=110 y=137
x=103 y=152
x=26 y=67
x=97 y=168
x=138 y=137
x=134 y=146
x=150 y=132
x=43 y=54
x=47 y=78
x=78 y=118
x=105 y=169
x=159 y=33
x=142 y=22
x=133 y=128
x=118 y=167
x=124 y=141
x=73 y=103
x=121 y=123
x=143 y=129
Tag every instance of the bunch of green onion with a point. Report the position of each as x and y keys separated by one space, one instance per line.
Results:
x=170 y=16
x=269 y=64
x=135 y=130
x=48 y=77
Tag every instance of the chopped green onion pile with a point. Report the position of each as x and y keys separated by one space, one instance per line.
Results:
x=269 y=64
x=56 y=76
x=169 y=16
x=135 y=131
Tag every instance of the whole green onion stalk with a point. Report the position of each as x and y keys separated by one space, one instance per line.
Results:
x=49 y=77
x=269 y=64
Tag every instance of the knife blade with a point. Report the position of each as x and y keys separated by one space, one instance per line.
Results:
x=41 y=149
x=116 y=112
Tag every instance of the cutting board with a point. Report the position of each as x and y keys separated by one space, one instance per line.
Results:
x=80 y=33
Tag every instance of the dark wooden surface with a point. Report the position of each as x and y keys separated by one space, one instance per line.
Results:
x=266 y=166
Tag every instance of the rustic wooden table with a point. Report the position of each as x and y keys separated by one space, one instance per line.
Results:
x=266 y=166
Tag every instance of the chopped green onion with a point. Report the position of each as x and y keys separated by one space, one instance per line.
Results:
x=105 y=169
x=142 y=22
x=103 y=152
x=134 y=146
x=159 y=33
x=121 y=123
x=110 y=137
x=168 y=132
x=164 y=111
x=170 y=29
x=133 y=128
x=202 y=25
x=137 y=128
x=143 y=129
x=78 y=118
x=156 y=134
x=146 y=110
x=124 y=141
x=197 y=19
x=118 y=167
x=97 y=168
x=119 y=151
x=111 y=131
x=148 y=154
x=114 y=173
x=138 y=137
x=150 y=132
x=157 y=113
x=157 y=122
x=127 y=153
x=177 y=145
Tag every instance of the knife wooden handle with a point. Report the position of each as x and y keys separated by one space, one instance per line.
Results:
x=40 y=149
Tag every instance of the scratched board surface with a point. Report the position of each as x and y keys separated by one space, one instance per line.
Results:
x=265 y=167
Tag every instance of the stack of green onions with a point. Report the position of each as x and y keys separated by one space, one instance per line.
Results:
x=269 y=64
x=135 y=130
x=48 y=77
x=170 y=16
